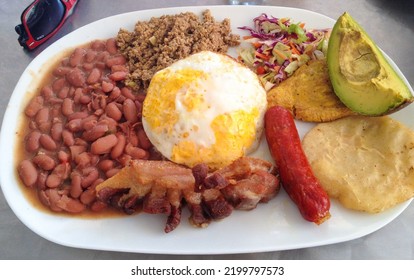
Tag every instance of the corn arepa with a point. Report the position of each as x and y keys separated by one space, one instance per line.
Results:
x=367 y=163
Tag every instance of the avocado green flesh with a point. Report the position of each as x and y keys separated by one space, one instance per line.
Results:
x=361 y=76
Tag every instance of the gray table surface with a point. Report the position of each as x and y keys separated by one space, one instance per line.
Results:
x=390 y=24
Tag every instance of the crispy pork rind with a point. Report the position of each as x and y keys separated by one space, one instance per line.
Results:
x=309 y=95
x=367 y=163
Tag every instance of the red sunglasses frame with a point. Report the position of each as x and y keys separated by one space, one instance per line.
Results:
x=31 y=43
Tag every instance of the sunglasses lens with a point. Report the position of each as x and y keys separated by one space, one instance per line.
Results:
x=44 y=17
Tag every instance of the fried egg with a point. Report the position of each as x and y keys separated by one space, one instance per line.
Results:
x=206 y=108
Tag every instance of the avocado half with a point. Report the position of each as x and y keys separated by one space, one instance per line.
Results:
x=361 y=76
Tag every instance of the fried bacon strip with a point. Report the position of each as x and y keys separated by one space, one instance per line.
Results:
x=162 y=187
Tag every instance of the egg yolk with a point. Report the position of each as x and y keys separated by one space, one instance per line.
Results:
x=234 y=134
x=159 y=106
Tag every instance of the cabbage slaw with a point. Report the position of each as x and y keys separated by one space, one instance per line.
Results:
x=277 y=47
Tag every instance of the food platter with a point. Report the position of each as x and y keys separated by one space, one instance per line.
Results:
x=274 y=226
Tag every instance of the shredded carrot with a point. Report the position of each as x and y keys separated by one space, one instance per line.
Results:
x=257 y=44
x=247 y=37
x=262 y=56
x=294 y=49
x=276 y=68
x=302 y=25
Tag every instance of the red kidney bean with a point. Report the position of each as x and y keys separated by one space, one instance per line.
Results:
x=98 y=45
x=116 y=92
x=118 y=149
x=127 y=92
x=42 y=116
x=55 y=113
x=115 y=60
x=130 y=111
x=116 y=68
x=61 y=71
x=113 y=111
x=78 y=94
x=112 y=172
x=75 y=150
x=68 y=138
x=112 y=124
x=135 y=152
x=144 y=142
x=100 y=65
x=76 y=57
x=103 y=103
x=90 y=55
x=106 y=164
x=47 y=142
x=76 y=77
x=45 y=162
x=98 y=206
x=89 y=123
x=47 y=92
x=62 y=170
x=53 y=181
x=52 y=198
x=90 y=175
x=88 y=66
x=102 y=57
x=28 y=173
x=107 y=86
x=118 y=76
x=63 y=156
x=83 y=159
x=94 y=76
x=84 y=99
x=34 y=106
x=81 y=142
x=111 y=46
x=67 y=107
x=96 y=132
x=140 y=97
x=58 y=84
x=78 y=115
x=63 y=93
x=76 y=188
x=41 y=180
x=70 y=205
x=133 y=138
x=104 y=144
x=94 y=159
x=74 y=125
x=56 y=131
x=32 y=141
x=88 y=196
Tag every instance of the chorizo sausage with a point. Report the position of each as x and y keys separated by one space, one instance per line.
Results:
x=295 y=172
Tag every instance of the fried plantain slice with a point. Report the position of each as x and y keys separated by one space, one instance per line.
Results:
x=309 y=95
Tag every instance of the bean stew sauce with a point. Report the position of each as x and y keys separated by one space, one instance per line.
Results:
x=81 y=128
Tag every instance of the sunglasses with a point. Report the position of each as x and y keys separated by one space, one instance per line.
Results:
x=41 y=20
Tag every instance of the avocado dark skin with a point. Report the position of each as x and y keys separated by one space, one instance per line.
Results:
x=362 y=78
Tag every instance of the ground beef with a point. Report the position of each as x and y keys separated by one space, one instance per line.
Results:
x=157 y=43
